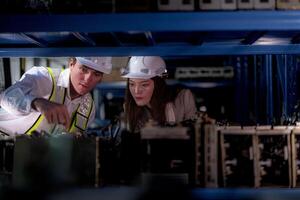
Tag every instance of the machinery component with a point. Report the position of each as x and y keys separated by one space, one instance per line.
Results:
x=130 y=157
x=295 y=138
x=237 y=157
x=274 y=157
x=204 y=72
x=199 y=180
x=6 y=160
x=161 y=155
x=194 y=153
x=210 y=156
x=57 y=161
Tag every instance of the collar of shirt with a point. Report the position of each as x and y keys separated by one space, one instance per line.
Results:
x=64 y=81
x=64 y=78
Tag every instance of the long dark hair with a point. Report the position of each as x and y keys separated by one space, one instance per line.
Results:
x=134 y=114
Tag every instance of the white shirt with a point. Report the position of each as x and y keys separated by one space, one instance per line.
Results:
x=16 y=112
x=183 y=108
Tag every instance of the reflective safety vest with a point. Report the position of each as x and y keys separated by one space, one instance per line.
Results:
x=79 y=118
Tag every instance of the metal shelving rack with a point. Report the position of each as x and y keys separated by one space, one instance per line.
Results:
x=174 y=34
x=165 y=33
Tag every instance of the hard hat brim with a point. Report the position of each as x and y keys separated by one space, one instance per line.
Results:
x=92 y=65
x=138 y=76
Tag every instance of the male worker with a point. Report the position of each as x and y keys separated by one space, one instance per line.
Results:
x=47 y=99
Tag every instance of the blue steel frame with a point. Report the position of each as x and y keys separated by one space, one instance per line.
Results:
x=241 y=94
x=256 y=22
x=282 y=69
x=174 y=50
x=272 y=93
x=269 y=88
x=177 y=21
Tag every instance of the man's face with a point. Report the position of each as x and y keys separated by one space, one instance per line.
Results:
x=83 y=79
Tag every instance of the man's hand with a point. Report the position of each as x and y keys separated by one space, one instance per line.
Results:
x=55 y=113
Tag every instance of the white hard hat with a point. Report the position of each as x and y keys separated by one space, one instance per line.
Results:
x=144 y=67
x=101 y=64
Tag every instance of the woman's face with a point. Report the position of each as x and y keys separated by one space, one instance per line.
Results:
x=141 y=90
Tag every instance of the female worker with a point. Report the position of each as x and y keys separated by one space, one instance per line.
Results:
x=149 y=97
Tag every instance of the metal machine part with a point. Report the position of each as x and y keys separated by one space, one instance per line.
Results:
x=237 y=156
x=168 y=152
x=6 y=160
x=274 y=157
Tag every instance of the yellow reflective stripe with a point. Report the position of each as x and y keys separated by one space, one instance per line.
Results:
x=64 y=96
x=51 y=97
x=72 y=127
x=62 y=102
x=53 y=92
x=88 y=117
x=74 y=122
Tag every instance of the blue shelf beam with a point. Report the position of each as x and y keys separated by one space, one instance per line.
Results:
x=178 y=50
x=164 y=21
x=188 y=33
